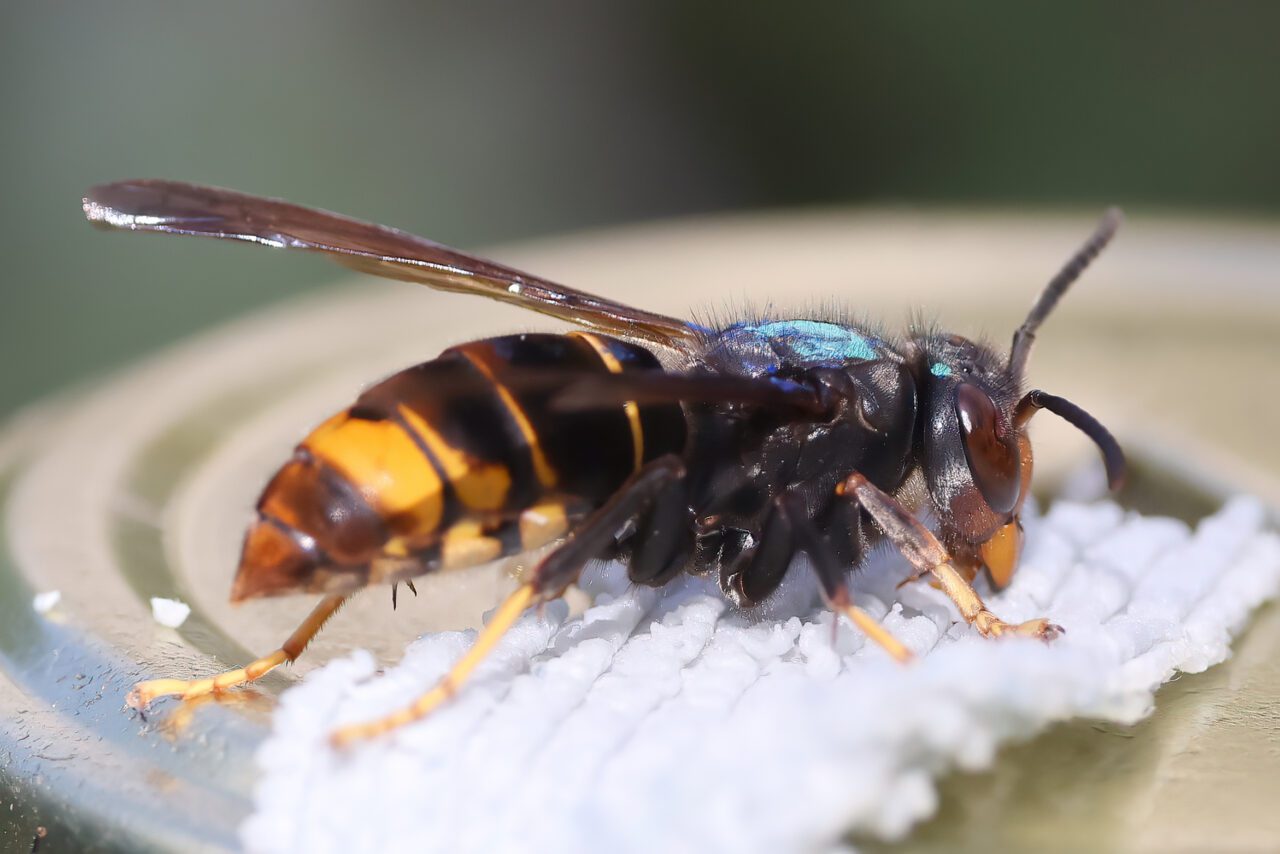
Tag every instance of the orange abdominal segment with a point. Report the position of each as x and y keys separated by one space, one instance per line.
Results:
x=479 y=485
x=309 y=496
x=541 y=524
x=454 y=462
x=466 y=544
x=387 y=467
x=273 y=561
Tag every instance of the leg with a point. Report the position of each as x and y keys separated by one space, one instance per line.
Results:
x=395 y=586
x=834 y=577
x=663 y=538
x=145 y=692
x=926 y=554
x=968 y=571
x=549 y=580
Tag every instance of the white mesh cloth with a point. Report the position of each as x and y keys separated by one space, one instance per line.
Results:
x=667 y=721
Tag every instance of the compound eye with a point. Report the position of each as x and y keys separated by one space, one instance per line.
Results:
x=993 y=456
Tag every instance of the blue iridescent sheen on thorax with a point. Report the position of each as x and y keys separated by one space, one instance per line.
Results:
x=818 y=341
x=771 y=347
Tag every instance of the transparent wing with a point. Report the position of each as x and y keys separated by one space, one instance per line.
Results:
x=173 y=207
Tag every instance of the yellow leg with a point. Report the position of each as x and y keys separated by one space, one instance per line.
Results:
x=967 y=571
x=873 y=629
x=974 y=610
x=144 y=693
x=504 y=618
x=918 y=544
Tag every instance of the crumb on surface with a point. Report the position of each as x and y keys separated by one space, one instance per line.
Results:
x=169 y=612
x=47 y=601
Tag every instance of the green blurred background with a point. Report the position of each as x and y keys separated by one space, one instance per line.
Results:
x=482 y=122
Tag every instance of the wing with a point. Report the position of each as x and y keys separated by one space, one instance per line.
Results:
x=595 y=391
x=176 y=208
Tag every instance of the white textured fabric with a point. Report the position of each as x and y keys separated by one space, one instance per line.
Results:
x=667 y=721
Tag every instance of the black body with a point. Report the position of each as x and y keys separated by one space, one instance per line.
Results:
x=890 y=403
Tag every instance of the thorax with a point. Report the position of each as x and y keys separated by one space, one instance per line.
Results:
x=741 y=458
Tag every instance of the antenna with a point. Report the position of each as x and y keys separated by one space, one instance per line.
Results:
x=1025 y=337
x=1112 y=454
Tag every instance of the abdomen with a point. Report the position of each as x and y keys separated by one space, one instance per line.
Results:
x=454 y=462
